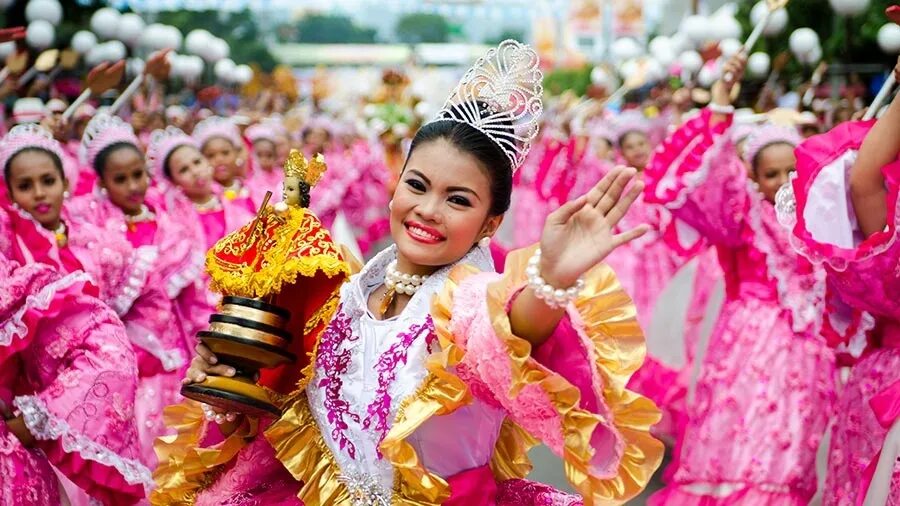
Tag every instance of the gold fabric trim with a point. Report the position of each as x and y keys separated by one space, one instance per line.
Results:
x=510 y=458
x=608 y=317
x=184 y=467
x=298 y=444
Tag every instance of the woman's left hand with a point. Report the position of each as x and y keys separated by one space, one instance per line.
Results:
x=582 y=232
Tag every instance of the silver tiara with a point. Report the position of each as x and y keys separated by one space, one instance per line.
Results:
x=501 y=96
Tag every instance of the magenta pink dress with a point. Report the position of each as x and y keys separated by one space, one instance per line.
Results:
x=178 y=276
x=366 y=202
x=865 y=277
x=66 y=365
x=562 y=170
x=128 y=283
x=767 y=386
x=530 y=207
x=645 y=267
x=195 y=302
x=364 y=369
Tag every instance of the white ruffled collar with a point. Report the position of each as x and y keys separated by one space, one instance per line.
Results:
x=372 y=276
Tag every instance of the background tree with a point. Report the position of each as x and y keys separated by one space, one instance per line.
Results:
x=419 y=27
x=330 y=29
x=507 y=34
x=844 y=40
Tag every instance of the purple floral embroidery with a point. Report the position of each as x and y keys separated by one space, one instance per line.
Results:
x=386 y=366
x=333 y=364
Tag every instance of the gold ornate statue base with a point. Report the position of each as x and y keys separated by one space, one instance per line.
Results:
x=248 y=335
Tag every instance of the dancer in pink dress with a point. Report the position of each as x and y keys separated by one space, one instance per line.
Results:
x=221 y=143
x=366 y=202
x=767 y=384
x=184 y=188
x=37 y=229
x=119 y=206
x=430 y=391
x=267 y=176
x=647 y=265
x=67 y=386
x=848 y=220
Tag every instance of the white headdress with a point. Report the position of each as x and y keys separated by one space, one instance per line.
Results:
x=501 y=96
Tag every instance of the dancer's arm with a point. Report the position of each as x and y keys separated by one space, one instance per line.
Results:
x=696 y=173
x=880 y=147
x=576 y=237
x=17 y=426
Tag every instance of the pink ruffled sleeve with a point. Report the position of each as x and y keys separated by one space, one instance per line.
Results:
x=137 y=295
x=697 y=175
x=78 y=389
x=818 y=209
x=569 y=392
x=29 y=292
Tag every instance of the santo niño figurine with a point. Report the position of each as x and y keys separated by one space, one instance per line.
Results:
x=279 y=276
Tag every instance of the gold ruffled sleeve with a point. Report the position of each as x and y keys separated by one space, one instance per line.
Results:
x=185 y=468
x=608 y=452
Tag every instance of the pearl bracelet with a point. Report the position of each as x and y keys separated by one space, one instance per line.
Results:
x=727 y=110
x=211 y=416
x=556 y=298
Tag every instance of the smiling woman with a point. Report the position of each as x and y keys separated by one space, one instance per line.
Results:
x=428 y=328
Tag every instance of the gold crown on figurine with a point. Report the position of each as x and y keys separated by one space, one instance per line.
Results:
x=309 y=172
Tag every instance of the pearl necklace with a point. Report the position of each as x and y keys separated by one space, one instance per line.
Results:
x=398 y=282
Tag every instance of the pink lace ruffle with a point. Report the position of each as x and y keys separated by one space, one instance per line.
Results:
x=487 y=363
x=815 y=157
x=678 y=164
x=142 y=264
x=45 y=426
x=16 y=325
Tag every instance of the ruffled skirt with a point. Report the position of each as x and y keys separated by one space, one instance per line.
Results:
x=763 y=401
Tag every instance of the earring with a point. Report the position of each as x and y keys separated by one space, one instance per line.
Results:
x=104 y=192
x=66 y=194
x=391 y=205
x=240 y=162
x=485 y=242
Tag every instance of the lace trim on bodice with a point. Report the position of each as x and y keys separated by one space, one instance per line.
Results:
x=397 y=365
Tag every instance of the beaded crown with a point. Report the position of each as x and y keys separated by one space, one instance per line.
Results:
x=101 y=132
x=503 y=89
x=767 y=135
x=162 y=143
x=28 y=135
